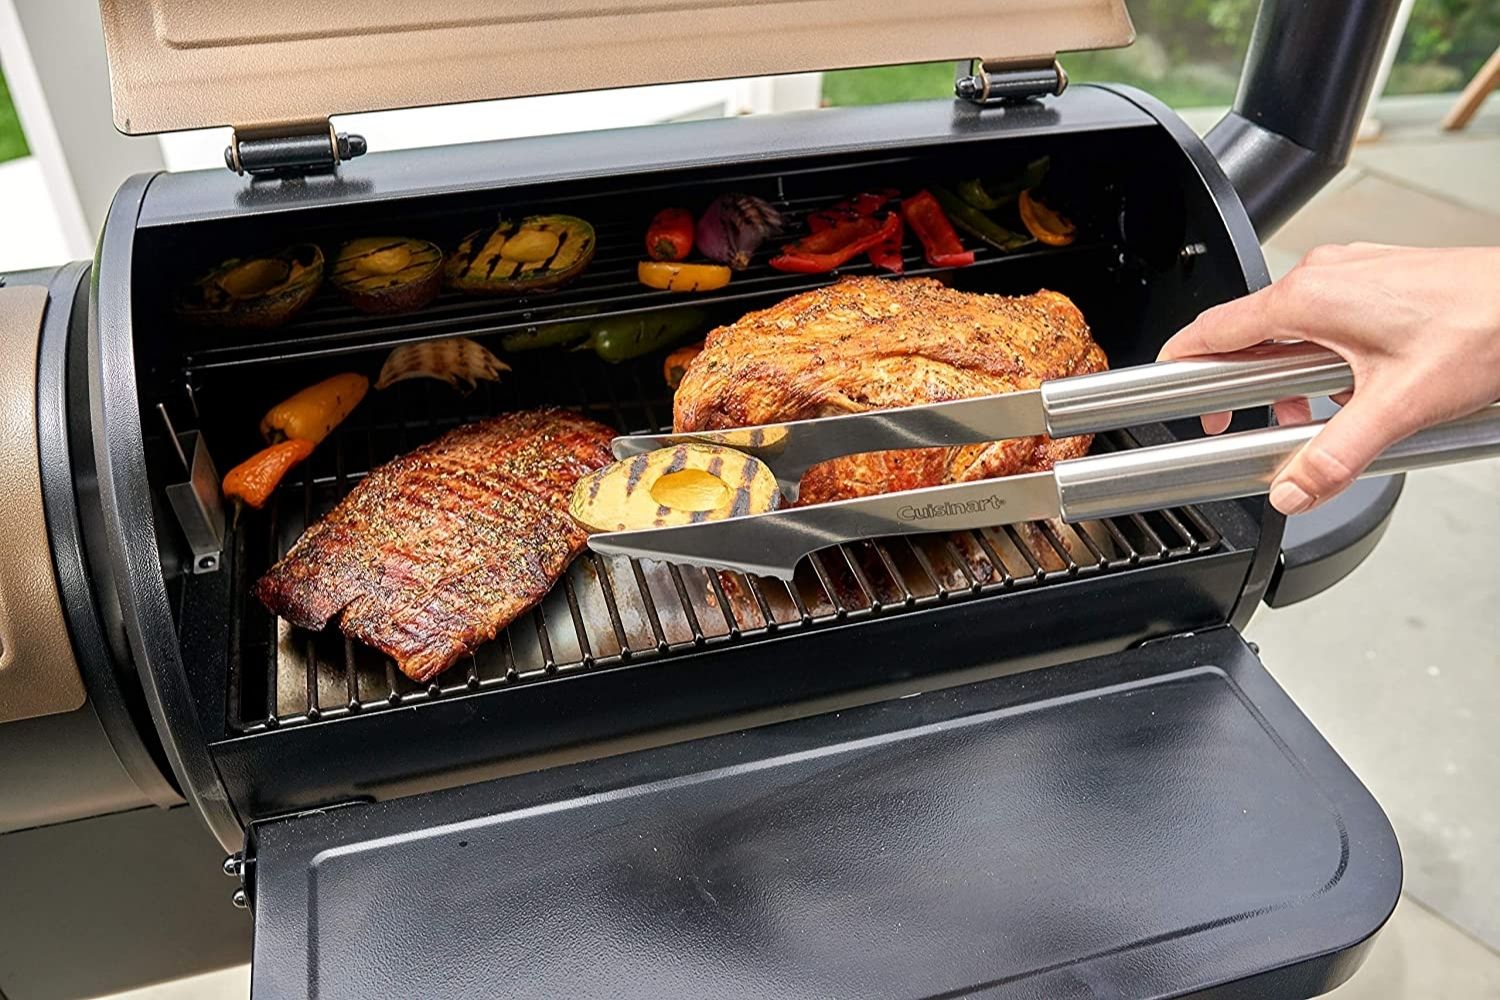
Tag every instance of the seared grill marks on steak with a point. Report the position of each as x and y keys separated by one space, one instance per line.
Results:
x=874 y=343
x=438 y=550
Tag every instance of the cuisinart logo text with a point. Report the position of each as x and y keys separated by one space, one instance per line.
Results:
x=928 y=511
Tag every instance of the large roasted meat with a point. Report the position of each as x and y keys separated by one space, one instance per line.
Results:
x=875 y=343
x=435 y=552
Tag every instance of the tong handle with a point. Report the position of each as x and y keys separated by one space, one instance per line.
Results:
x=1239 y=465
x=1170 y=390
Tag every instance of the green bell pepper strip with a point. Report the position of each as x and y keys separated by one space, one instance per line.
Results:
x=974 y=222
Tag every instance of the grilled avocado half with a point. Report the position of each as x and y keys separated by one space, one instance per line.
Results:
x=536 y=254
x=254 y=291
x=683 y=484
x=388 y=274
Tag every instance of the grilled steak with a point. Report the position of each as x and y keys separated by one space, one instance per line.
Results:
x=438 y=550
x=874 y=343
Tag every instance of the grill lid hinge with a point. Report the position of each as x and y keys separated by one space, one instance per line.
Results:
x=291 y=149
x=1001 y=81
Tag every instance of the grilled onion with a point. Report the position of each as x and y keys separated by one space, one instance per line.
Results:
x=459 y=361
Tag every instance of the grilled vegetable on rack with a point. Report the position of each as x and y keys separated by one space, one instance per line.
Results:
x=388 y=274
x=459 y=361
x=678 y=485
x=620 y=338
x=312 y=414
x=974 y=222
x=987 y=195
x=536 y=254
x=940 y=244
x=534 y=338
x=672 y=277
x=254 y=292
x=254 y=480
x=841 y=242
x=1046 y=224
x=676 y=365
x=670 y=235
x=886 y=254
x=734 y=227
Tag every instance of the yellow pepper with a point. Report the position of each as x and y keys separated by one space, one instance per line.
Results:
x=313 y=413
x=671 y=276
x=1049 y=226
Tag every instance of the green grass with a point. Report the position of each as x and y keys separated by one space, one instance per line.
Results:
x=12 y=141
x=1183 y=86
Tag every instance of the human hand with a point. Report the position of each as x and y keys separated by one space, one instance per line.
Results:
x=1420 y=329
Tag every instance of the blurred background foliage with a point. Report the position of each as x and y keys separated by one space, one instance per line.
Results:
x=12 y=141
x=1189 y=52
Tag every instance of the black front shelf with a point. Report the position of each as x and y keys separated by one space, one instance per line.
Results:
x=1161 y=823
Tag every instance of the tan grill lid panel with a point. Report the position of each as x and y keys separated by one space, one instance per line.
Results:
x=181 y=64
x=38 y=675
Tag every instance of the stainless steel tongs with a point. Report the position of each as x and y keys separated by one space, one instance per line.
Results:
x=1095 y=486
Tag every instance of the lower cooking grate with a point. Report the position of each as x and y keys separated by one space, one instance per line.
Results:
x=610 y=612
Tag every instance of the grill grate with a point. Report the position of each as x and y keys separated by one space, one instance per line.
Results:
x=610 y=612
x=329 y=327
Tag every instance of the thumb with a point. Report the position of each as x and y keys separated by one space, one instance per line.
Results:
x=1226 y=327
x=1330 y=462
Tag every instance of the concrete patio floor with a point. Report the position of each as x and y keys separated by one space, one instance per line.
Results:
x=1399 y=665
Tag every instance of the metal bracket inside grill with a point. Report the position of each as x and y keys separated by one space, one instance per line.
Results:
x=986 y=82
x=196 y=502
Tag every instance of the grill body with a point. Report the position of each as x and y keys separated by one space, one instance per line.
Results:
x=611 y=652
x=637 y=665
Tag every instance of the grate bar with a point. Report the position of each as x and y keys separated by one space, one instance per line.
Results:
x=993 y=555
x=872 y=600
x=649 y=604
x=586 y=652
x=687 y=604
x=889 y=565
x=610 y=607
x=1020 y=543
x=840 y=609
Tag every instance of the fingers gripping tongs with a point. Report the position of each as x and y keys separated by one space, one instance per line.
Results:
x=1094 y=486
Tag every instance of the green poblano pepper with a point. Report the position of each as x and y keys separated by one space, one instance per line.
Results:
x=620 y=338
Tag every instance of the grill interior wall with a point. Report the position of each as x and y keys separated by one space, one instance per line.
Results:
x=1123 y=272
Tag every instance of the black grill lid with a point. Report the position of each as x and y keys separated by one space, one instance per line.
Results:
x=1157 y=823
x=180 y=64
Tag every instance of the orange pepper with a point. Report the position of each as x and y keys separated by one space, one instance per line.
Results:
x=675 y=367
x=254 y=479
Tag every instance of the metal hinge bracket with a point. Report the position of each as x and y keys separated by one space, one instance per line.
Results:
x=291 y=149
x=991 y=82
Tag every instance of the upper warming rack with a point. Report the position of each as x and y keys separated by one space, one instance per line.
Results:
x=328 y=327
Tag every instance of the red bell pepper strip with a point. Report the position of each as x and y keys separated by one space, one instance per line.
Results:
x=886 y=254
x=827 y=218
x=827 y=249
x=870 y=202
x=864 y=204
x=940 y=243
